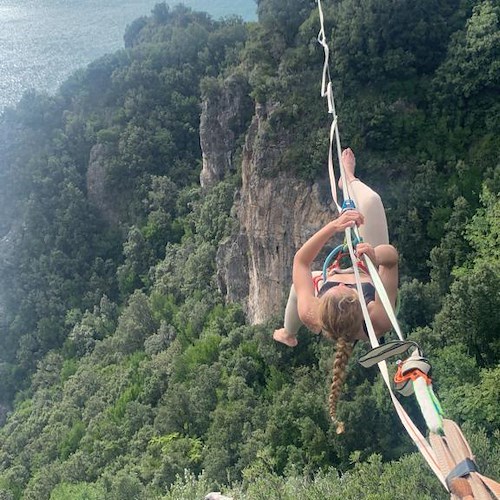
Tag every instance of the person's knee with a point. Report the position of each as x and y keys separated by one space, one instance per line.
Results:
x=373 y=199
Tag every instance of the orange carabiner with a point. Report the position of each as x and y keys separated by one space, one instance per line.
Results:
x=413 y=374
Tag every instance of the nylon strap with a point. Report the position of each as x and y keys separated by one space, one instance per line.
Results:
x=413 y=431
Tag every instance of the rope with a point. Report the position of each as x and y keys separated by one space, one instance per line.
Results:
x=326 y=91
x=448 y=454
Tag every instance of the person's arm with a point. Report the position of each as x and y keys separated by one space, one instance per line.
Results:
x=302 y=276
x=385 y=257
x=387 y=260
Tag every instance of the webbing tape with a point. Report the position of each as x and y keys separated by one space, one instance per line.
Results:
x=464 y=468
x=415 y=434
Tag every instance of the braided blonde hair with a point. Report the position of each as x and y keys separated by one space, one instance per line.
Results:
x=342 y=319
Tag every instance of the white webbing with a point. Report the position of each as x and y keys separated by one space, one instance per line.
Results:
x=413 y=431
x=327 y=91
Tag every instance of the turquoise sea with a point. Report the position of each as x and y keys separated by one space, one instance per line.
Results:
x=43 y=41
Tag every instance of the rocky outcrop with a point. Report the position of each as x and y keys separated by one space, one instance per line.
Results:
x=225 y=114
x=276 y=215
x=232 y=268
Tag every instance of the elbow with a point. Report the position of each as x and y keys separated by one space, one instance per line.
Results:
x=299 y=261
x=393 y=255
x=387 y=255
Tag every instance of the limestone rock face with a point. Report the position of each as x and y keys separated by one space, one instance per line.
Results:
x=232 y=268
x=225 y=113
x=276 y=215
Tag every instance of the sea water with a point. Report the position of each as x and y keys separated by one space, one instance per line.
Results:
x=43 y=41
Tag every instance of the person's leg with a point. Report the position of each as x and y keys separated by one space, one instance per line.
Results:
x=288 y=334
x=292 y=324
x=368 y=202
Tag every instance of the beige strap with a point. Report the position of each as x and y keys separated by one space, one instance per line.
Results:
x=452 y=450
x=413 y=431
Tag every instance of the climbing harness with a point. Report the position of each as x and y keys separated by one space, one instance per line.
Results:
x=339 y=261
x=452 y=468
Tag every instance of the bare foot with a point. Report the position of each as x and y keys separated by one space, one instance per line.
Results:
x=284 y=337
x=349 y=164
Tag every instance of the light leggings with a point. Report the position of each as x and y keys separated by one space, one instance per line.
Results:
x=373 y=231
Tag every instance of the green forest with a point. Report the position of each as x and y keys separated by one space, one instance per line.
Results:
x=125 y=374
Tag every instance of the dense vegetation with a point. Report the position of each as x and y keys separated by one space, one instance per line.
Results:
x=122 y=367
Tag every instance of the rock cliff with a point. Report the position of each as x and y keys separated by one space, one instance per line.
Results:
x=226 y=112
x=276 y=213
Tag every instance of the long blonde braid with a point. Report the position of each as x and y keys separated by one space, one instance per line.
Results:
x=342 y=319
x=344 y=351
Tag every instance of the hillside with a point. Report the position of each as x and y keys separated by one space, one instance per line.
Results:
x=150 y=211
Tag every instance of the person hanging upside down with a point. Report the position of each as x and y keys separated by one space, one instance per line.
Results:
x=335 y=309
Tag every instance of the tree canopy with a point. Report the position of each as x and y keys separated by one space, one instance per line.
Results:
x=125 y=374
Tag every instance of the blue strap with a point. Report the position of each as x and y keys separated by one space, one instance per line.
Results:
x=341 y=248
x=330 y=257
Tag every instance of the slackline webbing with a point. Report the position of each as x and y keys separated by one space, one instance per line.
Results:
x=327 y=91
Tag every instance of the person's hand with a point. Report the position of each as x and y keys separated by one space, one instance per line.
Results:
x=368 y=250
x=349 y=218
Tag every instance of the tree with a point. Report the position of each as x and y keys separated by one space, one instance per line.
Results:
x=375 y=41
x=284 y=16
x=135 y=323
x=471 y=66
x=79 y=491
x=133 y=273
x=470 y=312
